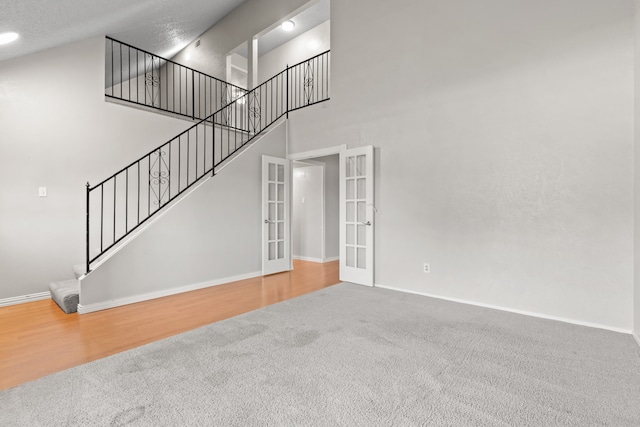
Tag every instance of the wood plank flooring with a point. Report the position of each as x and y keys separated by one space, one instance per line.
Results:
x=38 y=339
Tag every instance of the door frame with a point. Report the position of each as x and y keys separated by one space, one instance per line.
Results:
x=307 y=157
x=337 y=149
x=287 y=212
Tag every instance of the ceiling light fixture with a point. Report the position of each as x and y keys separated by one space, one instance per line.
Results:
x=288 y=25
x=6 y=38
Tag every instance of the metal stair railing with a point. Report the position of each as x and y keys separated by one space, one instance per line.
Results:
x=139 y=77
x=123 y=202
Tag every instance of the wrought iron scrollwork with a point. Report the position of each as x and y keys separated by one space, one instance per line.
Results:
x=152 y=79
x=254 y=112
x=308 y=83
x=159 y=175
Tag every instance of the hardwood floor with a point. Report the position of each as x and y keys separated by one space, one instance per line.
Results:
x=38 y=339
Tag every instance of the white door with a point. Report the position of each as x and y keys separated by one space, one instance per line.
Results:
x=356 y=215
x=276 y=252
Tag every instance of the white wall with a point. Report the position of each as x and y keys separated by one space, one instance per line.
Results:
x=306 y=45
x=307 y=213
x=239 y=61
x=504 y=136
x=57 y=131
x=237 y=70
x=214 y=234
x=636 y=228
x=331 y=205
x=244 y=22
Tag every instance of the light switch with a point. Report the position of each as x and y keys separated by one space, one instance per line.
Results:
x=42 y=191
x=303 y=200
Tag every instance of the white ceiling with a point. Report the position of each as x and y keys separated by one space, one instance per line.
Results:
x=159 y=26
x=305 y=20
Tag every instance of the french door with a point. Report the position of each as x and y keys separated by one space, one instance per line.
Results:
x=356 y=215
x=276 y=249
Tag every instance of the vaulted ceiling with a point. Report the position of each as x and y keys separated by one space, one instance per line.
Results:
x=160 y=26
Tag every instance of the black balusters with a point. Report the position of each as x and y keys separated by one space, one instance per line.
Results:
x=157 y=82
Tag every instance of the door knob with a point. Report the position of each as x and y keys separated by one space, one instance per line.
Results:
x=266 y=221
x=366 y=223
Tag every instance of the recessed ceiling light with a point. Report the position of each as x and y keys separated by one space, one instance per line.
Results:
x=288 y=25
x=8 y=37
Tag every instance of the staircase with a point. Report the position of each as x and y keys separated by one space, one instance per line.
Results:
x=227 y=119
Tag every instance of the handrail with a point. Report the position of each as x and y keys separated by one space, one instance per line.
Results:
x=171 y=61
x=142 y=78
x=309 y=59
x=206 y=119
x=123 y=202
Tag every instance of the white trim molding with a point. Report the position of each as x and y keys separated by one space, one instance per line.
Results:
x=322 y=152
x=104 y=305
x=511 y=310
x=24 y=298
x=307 y=258
x=318 y=260
x=637 y=339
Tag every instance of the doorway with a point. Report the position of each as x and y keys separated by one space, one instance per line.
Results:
x=356 y=209
x=315 y=209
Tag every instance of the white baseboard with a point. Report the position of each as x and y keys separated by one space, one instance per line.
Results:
x=511 y=310
x=318 y=260
x=24 y=298
x=637 y=339
x=90 y=308
x=306 y=258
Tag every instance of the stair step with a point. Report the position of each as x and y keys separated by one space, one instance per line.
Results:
x=79 y=270
x=66 y=294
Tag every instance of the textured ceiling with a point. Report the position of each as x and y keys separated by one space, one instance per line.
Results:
x=159 y=26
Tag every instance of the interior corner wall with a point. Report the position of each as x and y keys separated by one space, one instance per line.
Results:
x=243 y=23
x=504 y=143
x=306 y=45
x=636 y=193
x=214 y=234
x=57 y=131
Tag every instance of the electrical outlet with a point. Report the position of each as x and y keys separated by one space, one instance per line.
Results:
x=42 y=191
x=426 y=268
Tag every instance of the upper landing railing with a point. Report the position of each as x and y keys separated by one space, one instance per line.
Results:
x=123 y=202
x=142 y=78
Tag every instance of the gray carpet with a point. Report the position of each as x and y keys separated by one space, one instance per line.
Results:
x=350 y=355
